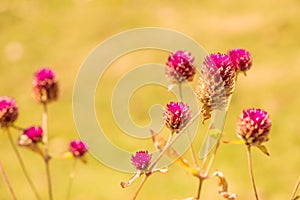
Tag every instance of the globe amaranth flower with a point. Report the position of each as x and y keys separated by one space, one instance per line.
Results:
x=78 y=148
x=45 y=86
x=8 y=111
x=176 y=116
x=241 y=59
x=216 y=83
x=253 y=126
x=179 y=67
x=35 y=134
x=141 y=160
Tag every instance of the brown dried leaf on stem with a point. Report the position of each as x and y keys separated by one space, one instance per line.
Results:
x=223 y=186
x=159 y=142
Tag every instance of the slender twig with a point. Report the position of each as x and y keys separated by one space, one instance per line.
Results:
x=22 y=164
x=13 y=196
x=295 y=189
x=211 y=160
x=174 y=140
x=140 y=187
x=71 y=179
x=199 y=188
x=251 y=171
x=45 y=142
x=17 y=127
x=191 y=148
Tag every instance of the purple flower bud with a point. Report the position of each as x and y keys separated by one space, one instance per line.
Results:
x=176 y=116
x=241 y=59
x=180 y=67
x=78 y=148
x=8 y=111
x=141 y=160
x=45 y=86
x=34 y=133
x=254 y=126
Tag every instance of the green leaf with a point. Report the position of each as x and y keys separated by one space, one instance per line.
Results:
x=264 y=149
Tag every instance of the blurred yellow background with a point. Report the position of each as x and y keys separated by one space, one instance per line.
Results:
x=60 y=35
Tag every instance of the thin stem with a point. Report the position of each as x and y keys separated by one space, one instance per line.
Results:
x=140 y=187
x=251 y=171
x=191 y=148
x=174 y=140
x=22 y=164
x=295 y=189
x=13 y=196
x=211 y=160
x=71 y=179
x=199 y=188
x=45 y=141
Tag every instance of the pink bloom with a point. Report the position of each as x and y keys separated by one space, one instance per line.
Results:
x=34 y=133
x=180 y=67
x=241 y=59
x=45 y=86
x=254 y=126
x=8 y=111
x=176 y=116
x=78 y=148
x=141 y=160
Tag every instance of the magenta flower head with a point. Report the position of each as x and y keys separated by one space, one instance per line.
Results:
x=216 y=83
x=241 y=59
x=180 y=67
x=34 y=133
x=78 y=148
x=176 y=116
x=45 y=86
x=141 y=160
x=8 y=111
x=254 y=126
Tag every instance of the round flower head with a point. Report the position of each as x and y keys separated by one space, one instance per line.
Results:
x=34 y=133
x=45 y=86
x=180 y=67
x=216 y=84
x=176 y=116
x=8 y=111
x=241 y=59
x=78 y=148
x=141 y=160
x=254 y=126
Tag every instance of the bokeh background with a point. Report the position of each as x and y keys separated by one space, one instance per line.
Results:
x=60 y=34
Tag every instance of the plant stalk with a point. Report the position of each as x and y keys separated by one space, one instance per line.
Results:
x=13 y=196
x=22 y=164
x=140 y=187
x=71 y=179
x=295 y=189
x=251 y=171
x=46 y=145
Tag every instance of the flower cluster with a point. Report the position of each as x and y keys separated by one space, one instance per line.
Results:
x=241 y=59
x=45 y=86
x=78 y=148
x=176 y=116
x=8 y=111
x=141 y=160
x=180 y=67
x=254 y=126
x=216 y=84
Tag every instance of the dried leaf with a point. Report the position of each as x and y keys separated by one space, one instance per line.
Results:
x=160 y=143
x=223 y=186
x=264 y=149
x=234 y=142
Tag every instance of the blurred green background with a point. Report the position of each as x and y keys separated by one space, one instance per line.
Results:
x=60 y=34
